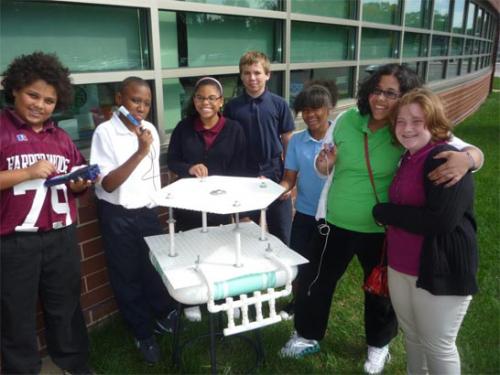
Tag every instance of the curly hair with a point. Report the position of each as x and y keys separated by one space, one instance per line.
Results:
x=26 y=69
x=406 y=77
x=316 y=94
x=190 y=109
x=435 y=115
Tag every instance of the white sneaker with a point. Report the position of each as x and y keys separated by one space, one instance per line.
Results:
x=193 y=313
x=377 y=358
x=298 y=347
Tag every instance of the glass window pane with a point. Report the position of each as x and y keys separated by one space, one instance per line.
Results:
x=85 y=37
x=377 y=44
x=439 y=45
x=329 y=42
x=442 y=15
x=343 y=78
x=436 y=70
x=176 y=92
x=458 y=16
x=457 y=46
x=203 y=39
x=415 y=45
x=469 y=29
x=330 y=8
x=417 y=13
x=479 y=22
x=452 y=70
x=468 y=46
x=255 y=4
x=418 y=67
x=382 y=11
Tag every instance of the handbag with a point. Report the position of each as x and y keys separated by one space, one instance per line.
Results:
x=376 y=283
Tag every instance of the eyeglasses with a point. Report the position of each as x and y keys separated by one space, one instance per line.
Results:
x=211 y=99
x=392 y=95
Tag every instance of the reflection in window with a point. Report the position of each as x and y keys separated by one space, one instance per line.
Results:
x=330 y=8
x=382 y=11
x=343 y=78
x=436 y=70
x=456 y=46
x=417 y=13
x=176 y=92
x=453 y=68
x=439 y=45
x=329 y=42
x=202 y=39
x=469 y=29
x=418 y=67
x=479 y=22
x=117 y=39
x=379 y=44
x=255 y=4
x=92 y=105
x=458 y=16
x=442 y=15
x=468 y=46
x=415 y=45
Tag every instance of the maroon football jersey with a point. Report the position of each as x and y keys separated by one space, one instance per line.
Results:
x=31 y=206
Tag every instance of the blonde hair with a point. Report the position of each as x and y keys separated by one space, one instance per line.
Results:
x=435 y=117
x=253 y=57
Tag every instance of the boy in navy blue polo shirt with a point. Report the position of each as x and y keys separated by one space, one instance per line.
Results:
x=268 y=125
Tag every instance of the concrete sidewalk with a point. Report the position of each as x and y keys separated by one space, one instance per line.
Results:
x=49 y=368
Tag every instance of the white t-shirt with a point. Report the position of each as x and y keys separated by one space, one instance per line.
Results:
x=112 y=145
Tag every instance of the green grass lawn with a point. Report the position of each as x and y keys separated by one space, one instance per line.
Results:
x=343 y=349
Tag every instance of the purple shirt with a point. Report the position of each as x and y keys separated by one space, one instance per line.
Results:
x=407 y=188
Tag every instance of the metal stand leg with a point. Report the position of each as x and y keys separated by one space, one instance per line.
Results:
x=213 y=363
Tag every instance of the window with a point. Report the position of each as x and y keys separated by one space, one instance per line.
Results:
x=441 y=15
x=417 y=13
x=330 y=8
x=321 y=42
x=439 y=45
x=418 y=67
x=87 y=38
x=469 y=29
x=415 y=45
x=382 y=11
x=379 y=44
x=457 y=45
x=468 y=46
x=453 y=68
x=458 y=16
x=436 y=70
x=202 y=39
x=256 y=4
x=176 y=92
x=479 y=22
x=343 y=78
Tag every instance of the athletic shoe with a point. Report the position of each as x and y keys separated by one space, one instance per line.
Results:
x=298 y=347
x=149 y=349
x=193 y=313
x=377 y=358
x=167 y=324
x=288 y=311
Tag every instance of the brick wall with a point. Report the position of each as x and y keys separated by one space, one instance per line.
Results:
x=97 y=298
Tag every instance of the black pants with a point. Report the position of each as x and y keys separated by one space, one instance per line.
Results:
x=279 y=219
x=138 y=288
x=45 y=265
x=314 y=299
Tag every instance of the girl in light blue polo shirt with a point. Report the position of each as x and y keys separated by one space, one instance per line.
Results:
x=314 y=102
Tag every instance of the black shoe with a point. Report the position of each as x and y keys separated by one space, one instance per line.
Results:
x=167 y=324
x=149 y=349
x=288 y=311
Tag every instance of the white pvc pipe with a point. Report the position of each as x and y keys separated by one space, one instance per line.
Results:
x=204 y=228
x=238 y=247
x=171 y=230
x=263 y=225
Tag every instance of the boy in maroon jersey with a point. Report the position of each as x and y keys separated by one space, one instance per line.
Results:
x=39 y=251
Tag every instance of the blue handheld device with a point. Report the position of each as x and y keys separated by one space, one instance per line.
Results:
x=89 y=172
x=127 y=114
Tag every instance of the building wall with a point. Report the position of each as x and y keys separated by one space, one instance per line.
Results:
x=450 y=43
